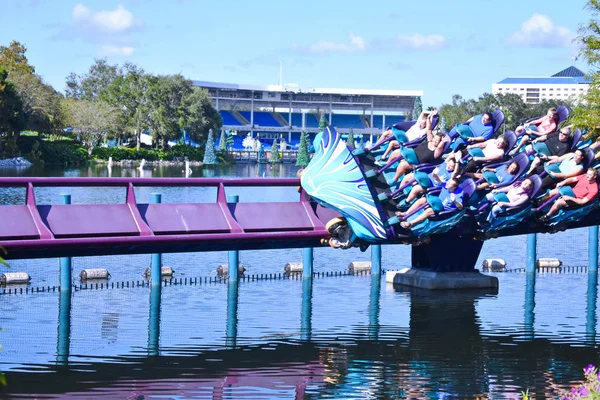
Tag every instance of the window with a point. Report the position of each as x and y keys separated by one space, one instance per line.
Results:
x=522 y=89
x=543 y=89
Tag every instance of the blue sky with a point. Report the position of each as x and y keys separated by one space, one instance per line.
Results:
x=441 y=47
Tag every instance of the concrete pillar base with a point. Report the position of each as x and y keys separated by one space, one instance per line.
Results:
x=441 y=280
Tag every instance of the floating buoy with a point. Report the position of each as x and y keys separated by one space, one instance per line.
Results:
x=94 y=273
x=164 y=271
x=222 y=269
x=494 y=265
x=548 y=263
x=357 y=267
x=9 y=278
x=293 y=268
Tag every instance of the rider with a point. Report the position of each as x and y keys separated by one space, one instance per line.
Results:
x=450 y=198
x=577 y=190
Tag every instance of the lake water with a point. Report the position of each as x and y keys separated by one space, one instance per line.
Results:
x=337 y=337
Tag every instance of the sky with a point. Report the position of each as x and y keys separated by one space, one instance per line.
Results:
x=440 y=47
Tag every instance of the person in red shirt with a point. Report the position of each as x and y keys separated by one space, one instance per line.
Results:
x=584 y=190
x=540 y=127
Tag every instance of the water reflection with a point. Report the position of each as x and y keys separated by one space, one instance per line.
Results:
x=442 y=353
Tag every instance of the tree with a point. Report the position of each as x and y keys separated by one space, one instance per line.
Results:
x=210 y=157
x=93 y=120
x=417 y=108
x=587 y=113
x=275 y=157
x=303 y=158
x=223 y=141
x=12 y=118
x=198 y=114
x=13 y=58
x=323 y=123
x=350 y=142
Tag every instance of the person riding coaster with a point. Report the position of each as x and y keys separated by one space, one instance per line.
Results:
x=406 y=134
x=498 y=175
x=477 y=129
x=506 y=207
x=437 y=214
x=571 y=200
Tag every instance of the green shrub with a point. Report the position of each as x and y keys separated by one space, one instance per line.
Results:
x=183 y=150
x=62 y=152
x=124 y=153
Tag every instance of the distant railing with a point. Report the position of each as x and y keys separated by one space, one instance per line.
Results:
x=251 y=156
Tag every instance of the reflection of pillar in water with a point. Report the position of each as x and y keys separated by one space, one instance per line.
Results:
x=232 y=314
x=374 y=307
x=592 y=297
x=306 y=312
x=64 y=328
x=445 y=333
x=154 y=321
x=529 y=306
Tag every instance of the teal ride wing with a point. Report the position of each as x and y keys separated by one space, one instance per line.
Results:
x=334 y=179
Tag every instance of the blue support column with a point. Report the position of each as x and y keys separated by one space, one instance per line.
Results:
x=233 y=256
x=593 y=249
x=376 y=259
x=156 y=264
x=306 y=312
x=66 y=264
x=531 y=252
x=154 y=321
x=307 y=263
x=232 y=314
x=64 y=328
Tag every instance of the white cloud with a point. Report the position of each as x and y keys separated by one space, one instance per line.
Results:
x=419 y=42
x=117 y=20
x=540 y=31
x=355 y=43
x=111 y=50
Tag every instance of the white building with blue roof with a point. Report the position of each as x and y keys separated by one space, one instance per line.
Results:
x=568 y=84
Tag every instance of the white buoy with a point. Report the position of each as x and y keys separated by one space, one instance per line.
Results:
x=494 y=265
x=164 y=271
x=9 y=278
x=293 y=268
x=94 y=273
x=222 y=269
x=356 y=267
x=548 y=263
x=188 y=170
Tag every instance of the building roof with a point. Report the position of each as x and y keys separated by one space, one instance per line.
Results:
x=296 y=89
x=568 y=76
x=571 y=72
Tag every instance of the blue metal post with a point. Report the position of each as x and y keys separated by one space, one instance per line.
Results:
x=154 y=320
x=233 y=256
x=531 y=252
x=66 y=263
x=376 y=259
x=307 y=263
x=156 y=264
x=64 y=328
x=593 y=248
x=306 y=312
x=232 y=314
x=592 y=298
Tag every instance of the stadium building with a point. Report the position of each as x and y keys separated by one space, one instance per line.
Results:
x=568 y=84
x=276 y=111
